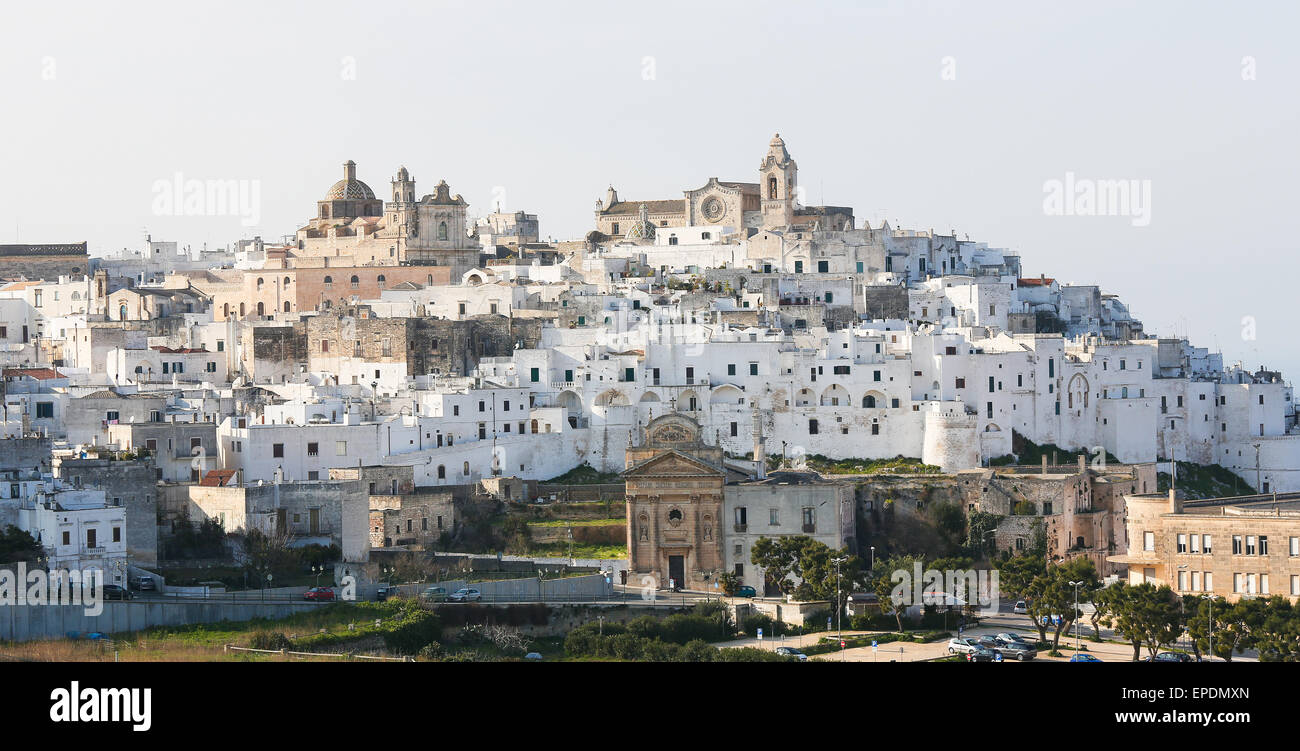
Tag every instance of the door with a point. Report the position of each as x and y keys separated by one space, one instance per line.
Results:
x=315 y=521
x=677 y=570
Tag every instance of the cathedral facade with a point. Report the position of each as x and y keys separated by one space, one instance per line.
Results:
x=740 y=208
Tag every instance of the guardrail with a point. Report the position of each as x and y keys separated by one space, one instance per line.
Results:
x=290 y=653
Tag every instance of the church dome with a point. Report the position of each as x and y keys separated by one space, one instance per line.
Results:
x=642 y=228
x=350 y=188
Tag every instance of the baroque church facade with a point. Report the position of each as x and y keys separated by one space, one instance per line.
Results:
x=351 y=222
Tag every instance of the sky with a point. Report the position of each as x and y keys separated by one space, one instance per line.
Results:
x=935 y=114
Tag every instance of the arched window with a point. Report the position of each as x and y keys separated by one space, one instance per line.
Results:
x=382 y=280
x=261 y=309
x=356 y=282
x=225 y=310
x=771 y=187
x=329 y=282
x=429 y=280
x=442 y=472
x=259 y=284
x=121 y=313
x=442 y=230
x=465 y=470
x=241 y=310
x=869 y=401
x=286 y=306
x=286 y=281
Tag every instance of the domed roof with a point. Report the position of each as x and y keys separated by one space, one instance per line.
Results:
x=642 y=228
x=350 y=187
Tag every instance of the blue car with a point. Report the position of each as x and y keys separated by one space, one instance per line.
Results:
x=746 y=591
x=1083 y=657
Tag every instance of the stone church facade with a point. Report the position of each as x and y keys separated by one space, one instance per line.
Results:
x=675 y=485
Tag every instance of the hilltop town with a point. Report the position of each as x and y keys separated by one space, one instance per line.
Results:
x=694 y=377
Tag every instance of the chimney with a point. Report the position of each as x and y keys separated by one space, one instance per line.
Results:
x=1044 y=464
x=1175 y=503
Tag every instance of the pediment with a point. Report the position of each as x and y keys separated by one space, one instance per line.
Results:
x=673 y=464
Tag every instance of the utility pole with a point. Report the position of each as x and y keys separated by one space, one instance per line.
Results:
x=839 y=606
x=1258 y=486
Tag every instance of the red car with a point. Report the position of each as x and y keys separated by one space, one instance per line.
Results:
x=319 y=594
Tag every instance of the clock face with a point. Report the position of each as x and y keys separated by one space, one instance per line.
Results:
x=713 y=209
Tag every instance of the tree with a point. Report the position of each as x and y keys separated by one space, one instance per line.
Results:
x=269 y=554
x=729 y=582
x=777 y=556
x=1144 y=614
x=883 y=584
x=1017 y=577
x=17 y=546
x=978 y=540
x=822 y=579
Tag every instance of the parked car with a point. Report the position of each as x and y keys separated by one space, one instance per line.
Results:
x=792 y=652
x=746 y=591
x=961 y=646
x=1011 y=636
x=981 y=654
x=1083 y=657
x=1170 y=657
x=434 y=594
x=319 y=594
x=144 y=583
x=465 y=594
x=1021 y=607
x=533 y=656
x=387 y=592
x=115 y=592
x=1015 y=649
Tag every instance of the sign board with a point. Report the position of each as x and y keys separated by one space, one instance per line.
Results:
x=874 y=645
x=760 y=634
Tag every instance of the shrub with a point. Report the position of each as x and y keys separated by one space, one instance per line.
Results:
x=270 y=640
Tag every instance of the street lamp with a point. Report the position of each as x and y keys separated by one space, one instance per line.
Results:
x=1076 y=613
x=839 y=606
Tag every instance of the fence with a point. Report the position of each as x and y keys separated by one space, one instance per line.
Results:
x=290 y=653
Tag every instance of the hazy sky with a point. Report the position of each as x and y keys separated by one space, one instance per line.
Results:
x=935 y=115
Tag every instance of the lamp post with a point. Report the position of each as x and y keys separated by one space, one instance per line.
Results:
x=839 y=606
x=1076 y=613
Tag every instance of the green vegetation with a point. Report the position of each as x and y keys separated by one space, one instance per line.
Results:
x=610 y=522
x=17 y=545
x=1027 y=453
x=585 y=474
x=899 y=465
x=1205 y=481
x=810 y=560
x=683 y=637
x=579 y=550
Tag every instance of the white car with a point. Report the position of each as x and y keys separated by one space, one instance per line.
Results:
x=465 y=594
x=958 y=646
x=1021 y=608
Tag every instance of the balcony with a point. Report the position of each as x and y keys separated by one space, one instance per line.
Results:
x=740 y=528
x=809 y=528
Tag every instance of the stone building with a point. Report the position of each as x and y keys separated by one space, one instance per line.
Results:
x=1228 y=547
x=674 y=484
x=44 y=261
x=129 y=484
x=771 y=203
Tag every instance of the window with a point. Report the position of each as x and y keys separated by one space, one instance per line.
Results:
x=731 y=369
x=812 y=427
x=277 y=450
x=742 y=516
x=1206 y=548
x=355 y=281
x=774 y=517
x=1182 y=545
x=961 y=383
x=340 y=448
x=1294 y=548
x=117 y=534
x=809 y=518
x=1209 y=581
x=442 y=472
x=1237 y=546
x=1263 y=545
x=1196 y=543
x=313 y=449
x=1149 y=541
x=753 y=368
x=44 y=409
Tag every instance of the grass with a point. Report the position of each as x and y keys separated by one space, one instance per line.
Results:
x=899 y=465
x=580 y=550
x=580 y=522
x=1205 y=481
x=585 y=474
